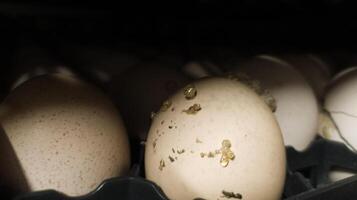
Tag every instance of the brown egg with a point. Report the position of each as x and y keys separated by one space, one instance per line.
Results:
x=66 y=134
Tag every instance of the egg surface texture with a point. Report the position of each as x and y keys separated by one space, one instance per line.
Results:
x=66 y=134
x=216 y=139
x=296 y=105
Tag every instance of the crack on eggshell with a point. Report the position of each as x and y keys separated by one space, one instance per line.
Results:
x=343 y=113
x=329 y=114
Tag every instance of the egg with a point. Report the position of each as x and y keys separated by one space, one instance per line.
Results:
x=314 y=69
x=341 y=110
x=210 y=140
x=66 y=134
x=297 y=109
x=139 y=92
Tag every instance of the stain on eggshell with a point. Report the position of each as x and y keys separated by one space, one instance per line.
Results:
x=231 y=195
x=193 y=109
x=165 y=106
x=190 y=92
x=233 y=121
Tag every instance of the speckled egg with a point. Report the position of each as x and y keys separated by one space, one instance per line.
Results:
x=210 y=141
x=66 y=134
x=297 y=108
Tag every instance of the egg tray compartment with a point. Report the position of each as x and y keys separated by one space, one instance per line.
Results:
x=307 y=177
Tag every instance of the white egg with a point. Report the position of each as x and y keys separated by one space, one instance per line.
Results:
x=210 y=141
x=66 y=134
x=314 y=70
x=297 y=107
x=342 y=108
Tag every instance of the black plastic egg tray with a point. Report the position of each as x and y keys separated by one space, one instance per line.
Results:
x=307 y=178
x=307 y=174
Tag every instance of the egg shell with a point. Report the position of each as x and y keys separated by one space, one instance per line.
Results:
x=229 y=111
x=297 y=108
x=140 y=91
x=341 y=105
x=66 y=134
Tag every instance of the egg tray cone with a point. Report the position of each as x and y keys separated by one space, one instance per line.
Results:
x=307 y=178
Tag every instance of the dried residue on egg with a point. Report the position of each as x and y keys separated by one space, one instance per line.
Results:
x=229 y=195
x=193 y=109
x=190 y=92
x=161 y=164
x=180 y=151
x=255 y=86
x=171 y=159
x=165 y=106
x=152 y=115
x=226 y=153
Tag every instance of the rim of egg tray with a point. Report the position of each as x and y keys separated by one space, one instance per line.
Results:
x=307 y=178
